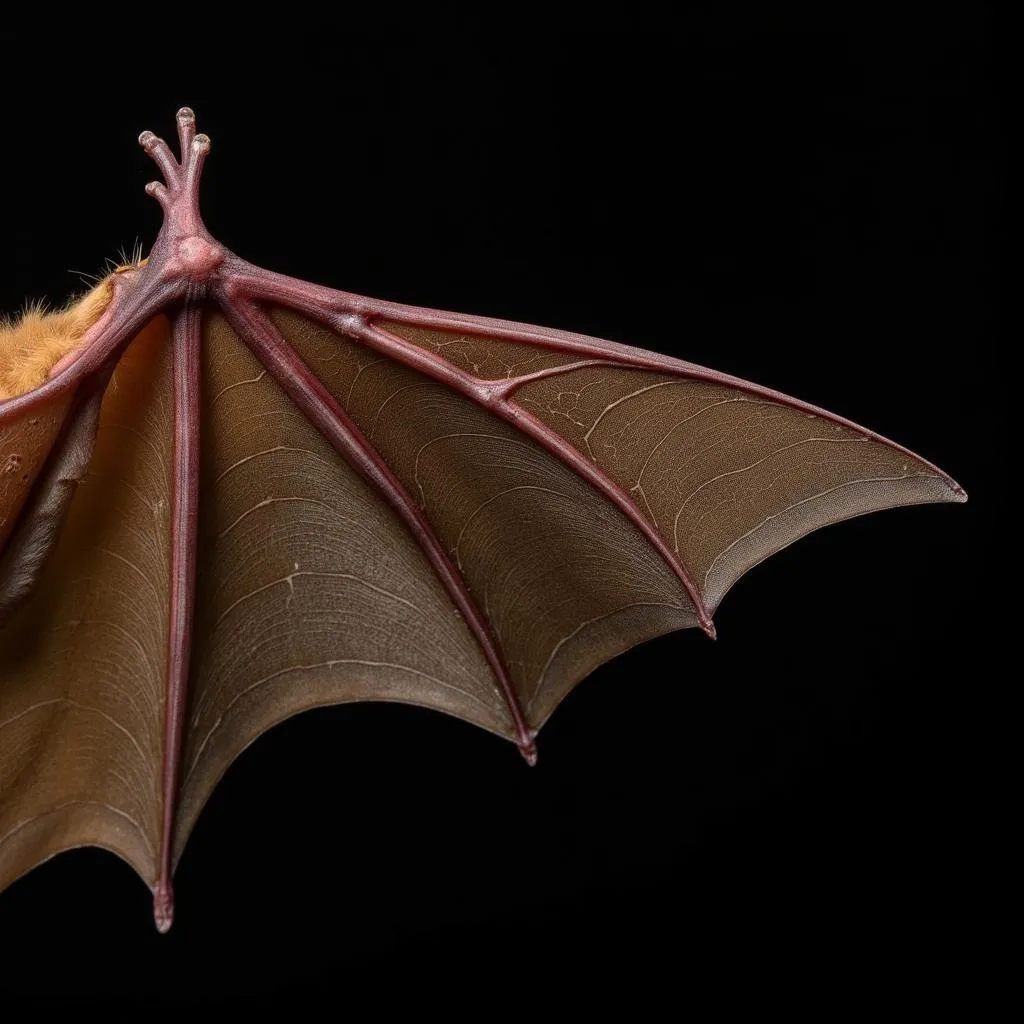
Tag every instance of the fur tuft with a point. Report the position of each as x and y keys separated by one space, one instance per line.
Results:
x=31 y=347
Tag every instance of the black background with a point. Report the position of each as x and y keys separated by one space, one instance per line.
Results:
x=808 y=204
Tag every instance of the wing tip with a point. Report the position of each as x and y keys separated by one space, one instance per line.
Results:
x=528 y=748
x=955 y=494
x=163 y=907
x=959 y=495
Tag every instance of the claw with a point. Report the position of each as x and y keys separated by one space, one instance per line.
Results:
x=186 y=119
x=158 y=191
x=200 y=147
x=528 y=747
x=163 y=906
x=156 y=148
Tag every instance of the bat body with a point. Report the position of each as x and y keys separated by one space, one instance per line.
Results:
x=238 y=495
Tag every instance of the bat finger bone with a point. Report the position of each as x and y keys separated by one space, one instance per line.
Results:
x=160 y=153
x=186 y=119
x=158 y=191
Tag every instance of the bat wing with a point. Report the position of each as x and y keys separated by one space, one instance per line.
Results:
x=606 y=504
x=394 y=504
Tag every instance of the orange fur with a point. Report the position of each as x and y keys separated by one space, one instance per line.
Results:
x=30 y=348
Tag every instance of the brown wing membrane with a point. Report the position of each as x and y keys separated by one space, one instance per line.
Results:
x=310 y=591
x=24 y=445
x=727 y=474
x=564 y=579
x=727 y=477
x=82 y=660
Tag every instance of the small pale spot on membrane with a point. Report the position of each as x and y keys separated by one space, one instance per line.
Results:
x=13 y=464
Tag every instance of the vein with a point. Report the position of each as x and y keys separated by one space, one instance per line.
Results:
x=583 y=625
x=142 y=437
x=320 y=575
x=332 y=663
x=789 y=508
x=238 y=384
x=625 y=398
x=81 y=707
x=494 y=497
x=10 y=833
x=355 y=380
x=676 y=426
x=753 y=465
x=448 y=437
x=273 y=501
x=131 y=565
x=266 y=451
x=408 y=387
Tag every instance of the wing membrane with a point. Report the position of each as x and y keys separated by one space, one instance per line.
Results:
x=82 y=660
x=727 y=476
x=564 y=579
x=309 y=590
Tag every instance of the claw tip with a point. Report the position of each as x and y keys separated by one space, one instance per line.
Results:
x=529 y=752
x=163 y=907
